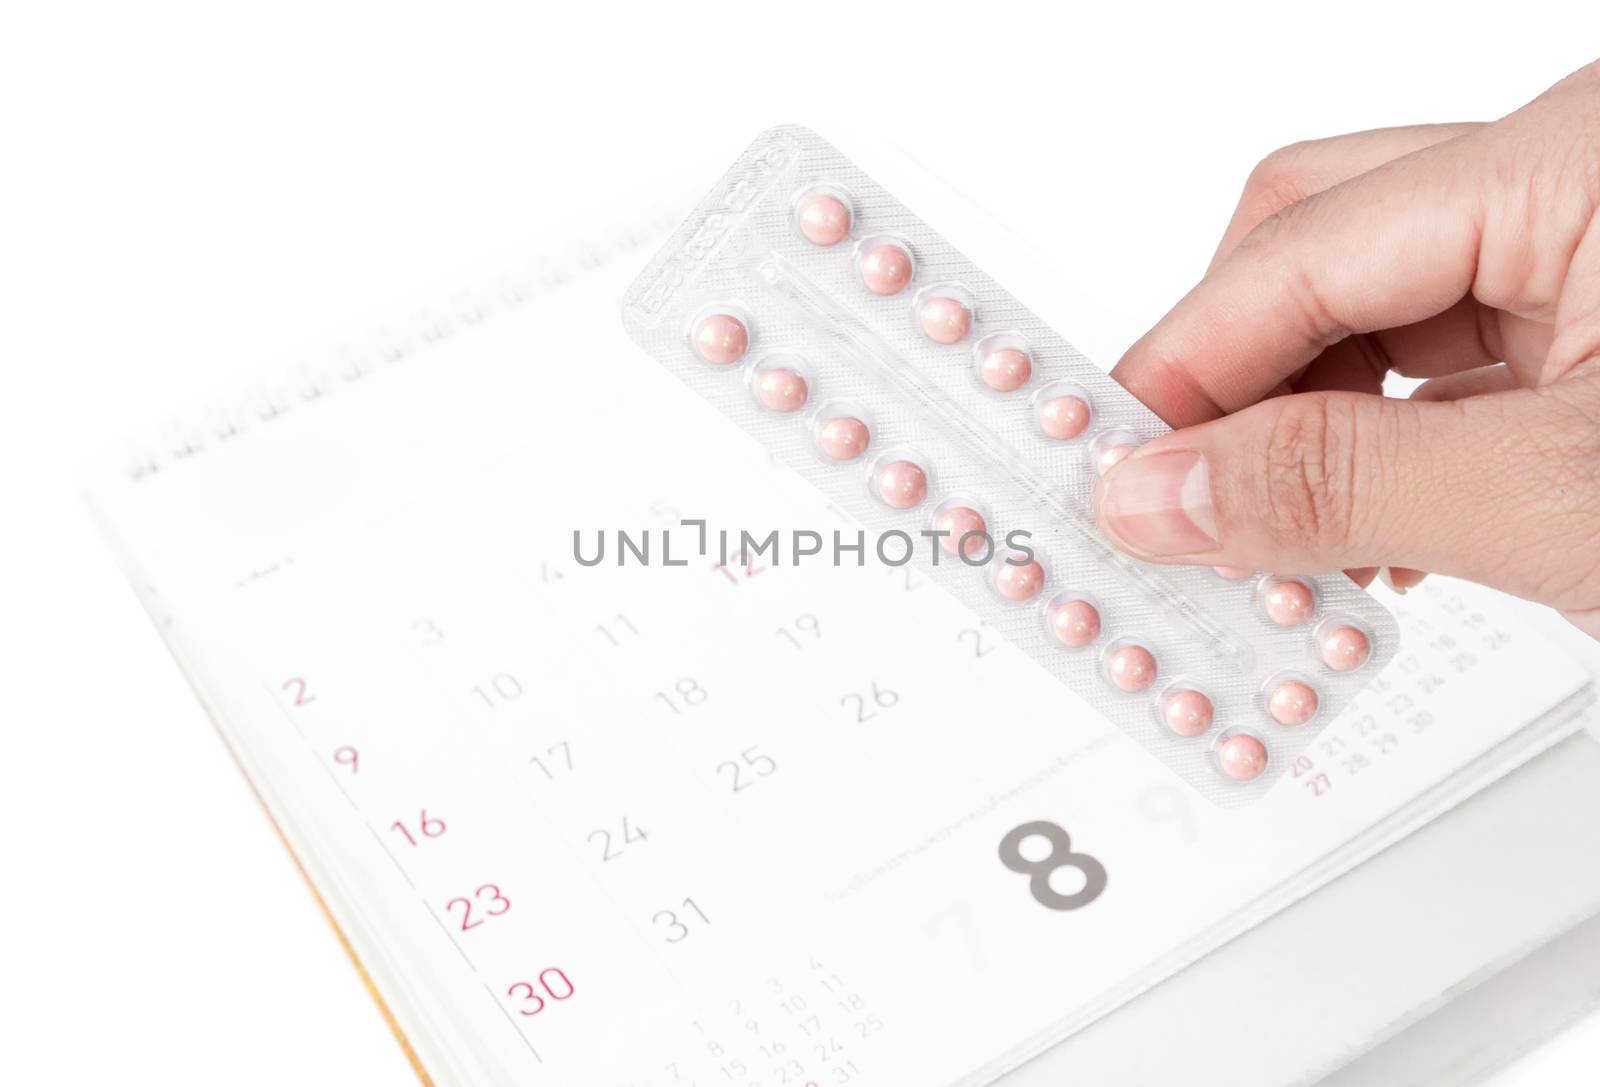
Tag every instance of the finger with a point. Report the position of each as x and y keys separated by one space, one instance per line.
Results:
x=1341 y=369
x=1354 y=365
x=1325 y=481
x=1347 y=366
x=1363 y=575
x=1469 y=334
x=1402 y=579
x=1448 y=341
x=1586 y=620
x=1391 y=247
x=1290 y=174
x=1358 y=366
x=1464 y=336
x=1483 y=381
x=1480 y=382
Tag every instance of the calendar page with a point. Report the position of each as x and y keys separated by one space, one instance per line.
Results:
x=717 y=822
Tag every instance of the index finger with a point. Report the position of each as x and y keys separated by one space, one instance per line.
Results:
x=1389 y=247
x=1290 y=174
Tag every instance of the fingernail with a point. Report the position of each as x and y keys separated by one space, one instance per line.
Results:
x=1400 y=579
x=1407 y=578
x=1159 y=504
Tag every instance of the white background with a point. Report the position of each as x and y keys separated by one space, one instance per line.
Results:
x=188 y=194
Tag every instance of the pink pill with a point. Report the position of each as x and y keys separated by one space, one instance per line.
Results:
x=1063 y=417
x=1111 y=456
x=1133 y=668
x=1075 y=623
x=1292 y=702
x=1019 y=582
x=945 y=320
x=1242 y=757
x=886 y=268
x=902 y=484
x=1007 y=370
x=1233 y=573
x=1188 y=713
x=781 y=389
x=720 y=338
x=959 y=521
x=824 y=219
x=844 y=438
x=1345 y=648
x=1289 y=603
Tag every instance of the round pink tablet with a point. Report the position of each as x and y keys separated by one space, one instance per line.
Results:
x=1188 y=713
x=1289 y=603
x=781 y=389
x=902 y=484
x=1242 y=757
x=1292 y=702
x=945 y=320
x=1233 y=573
x=1345 y=648
x=720 y=338
x=958 y=521
x=1063 y=417
x=824 y=219
x=1007 y=370
x=1019 y=582
x=1111 y=456
x=844 y=438
x=1133 y=668
x=1075 y=623
x=886 y=268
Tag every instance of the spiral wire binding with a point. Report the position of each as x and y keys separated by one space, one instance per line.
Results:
x=353 y=363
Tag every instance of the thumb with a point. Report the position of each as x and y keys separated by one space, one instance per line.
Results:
x=1327 y=481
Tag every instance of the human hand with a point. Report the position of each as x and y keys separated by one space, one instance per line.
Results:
x=1465 y=254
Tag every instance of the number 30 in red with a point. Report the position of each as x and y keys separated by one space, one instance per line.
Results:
x=553 y=981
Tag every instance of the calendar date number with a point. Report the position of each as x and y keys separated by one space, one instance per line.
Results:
x=1040 y=871
x=532 y=997
x=486 y=902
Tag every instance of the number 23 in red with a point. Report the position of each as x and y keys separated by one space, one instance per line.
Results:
x=486 y=898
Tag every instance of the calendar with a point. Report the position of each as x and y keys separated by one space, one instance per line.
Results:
x=715 y=822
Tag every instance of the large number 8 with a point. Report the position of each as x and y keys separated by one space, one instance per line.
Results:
x=1060 y=856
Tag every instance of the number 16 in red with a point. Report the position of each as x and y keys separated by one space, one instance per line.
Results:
x=427 y=826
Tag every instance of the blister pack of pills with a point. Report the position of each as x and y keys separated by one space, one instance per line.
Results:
x=967 y=436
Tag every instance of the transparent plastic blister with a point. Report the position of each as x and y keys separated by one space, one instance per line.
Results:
x=923 y=398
